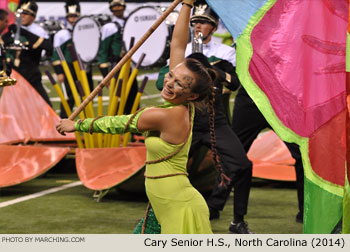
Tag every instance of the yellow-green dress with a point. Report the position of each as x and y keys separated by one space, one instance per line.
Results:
x=178 y=206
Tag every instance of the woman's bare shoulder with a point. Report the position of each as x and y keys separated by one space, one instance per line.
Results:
x=156 y=118
x=171 y=114
x=178 y=111
x=175 y=109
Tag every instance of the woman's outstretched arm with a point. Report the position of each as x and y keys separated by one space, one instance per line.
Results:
x=106 y=124
x=180 y=35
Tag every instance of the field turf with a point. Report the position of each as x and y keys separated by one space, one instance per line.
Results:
x=272 y=204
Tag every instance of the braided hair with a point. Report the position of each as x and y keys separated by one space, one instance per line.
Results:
x=206 y=76
x=204 y=87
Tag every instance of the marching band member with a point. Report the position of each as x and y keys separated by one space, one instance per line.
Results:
x=112 y=47
x=5 y=68
x=63 y=40
x=3 y=24
x=3 y=20
x=35 y=39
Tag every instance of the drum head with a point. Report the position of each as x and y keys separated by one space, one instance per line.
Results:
x=86 y=38
x=138 y=22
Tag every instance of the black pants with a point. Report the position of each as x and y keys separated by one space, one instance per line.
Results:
x=248 y=122
x=33 y=76
x=235 y=164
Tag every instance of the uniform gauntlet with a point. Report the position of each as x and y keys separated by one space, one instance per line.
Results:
x=109 y=124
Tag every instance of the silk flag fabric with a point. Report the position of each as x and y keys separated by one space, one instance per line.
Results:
x=291 y=60
x=3 y=4
x=19 y=164
x=10 y=5
x=347 y=177
x=26 y=117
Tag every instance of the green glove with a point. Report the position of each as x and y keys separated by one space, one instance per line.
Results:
x=109 y=124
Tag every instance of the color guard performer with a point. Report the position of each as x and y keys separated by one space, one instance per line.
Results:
x=233 y=158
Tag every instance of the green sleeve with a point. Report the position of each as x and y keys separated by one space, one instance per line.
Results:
x=56 y=63
x=103 y=51
x=110 y=49
x=55 y=56
x=117 y=44
x=109 y=124
x=55 y=59
x=163 y=71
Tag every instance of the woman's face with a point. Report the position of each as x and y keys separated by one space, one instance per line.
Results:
x=178 y=85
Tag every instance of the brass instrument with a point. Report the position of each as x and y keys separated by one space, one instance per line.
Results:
x=17 y=44
x=197 y=43
x=4 y=79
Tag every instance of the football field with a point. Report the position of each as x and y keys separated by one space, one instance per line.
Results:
x=57 y=202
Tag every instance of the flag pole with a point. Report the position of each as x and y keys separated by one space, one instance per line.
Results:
x=124 y=59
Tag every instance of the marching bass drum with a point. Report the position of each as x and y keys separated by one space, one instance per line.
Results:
x=86 y=38
x=156 y=47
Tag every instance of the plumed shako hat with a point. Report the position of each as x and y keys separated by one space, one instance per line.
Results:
x=28 y=6
x=202 y=11
x=113 y=3
x=72 y=7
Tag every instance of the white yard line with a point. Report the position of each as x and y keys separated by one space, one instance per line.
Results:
x=39 y=194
